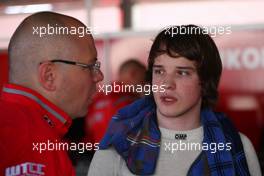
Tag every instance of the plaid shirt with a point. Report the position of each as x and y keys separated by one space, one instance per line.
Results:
x=135 y=135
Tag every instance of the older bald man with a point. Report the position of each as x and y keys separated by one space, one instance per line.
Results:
x=51 y=81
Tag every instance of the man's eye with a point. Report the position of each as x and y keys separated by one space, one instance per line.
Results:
x=85 y=68
x=158 y=72
x=183 y=73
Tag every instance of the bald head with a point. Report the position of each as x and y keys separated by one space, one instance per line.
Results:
x=59 y=40
x=44 y=37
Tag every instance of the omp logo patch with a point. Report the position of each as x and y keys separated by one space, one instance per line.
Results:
x=181 y=136
x=28 y=168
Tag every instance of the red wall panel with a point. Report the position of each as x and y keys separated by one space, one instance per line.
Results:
x=3 y=68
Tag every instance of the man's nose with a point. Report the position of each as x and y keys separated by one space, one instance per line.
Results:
x=98 y=76
x=169 y=82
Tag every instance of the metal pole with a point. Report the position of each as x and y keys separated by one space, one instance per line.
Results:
x=89 y=6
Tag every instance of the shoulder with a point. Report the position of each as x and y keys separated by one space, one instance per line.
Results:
x=14 y=122
x=105 y=155
x=14 y=134
x=105 y=162
x=251 y=156
x=247 y=145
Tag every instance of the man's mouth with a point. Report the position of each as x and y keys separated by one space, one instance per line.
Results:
x=168 y=100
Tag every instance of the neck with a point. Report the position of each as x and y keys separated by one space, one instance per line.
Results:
x=187 y=121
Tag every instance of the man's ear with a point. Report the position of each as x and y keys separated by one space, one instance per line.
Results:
x=47 y=76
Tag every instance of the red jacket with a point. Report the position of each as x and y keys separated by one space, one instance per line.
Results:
x=28 y=124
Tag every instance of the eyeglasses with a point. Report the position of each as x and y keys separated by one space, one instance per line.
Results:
x=94 y=67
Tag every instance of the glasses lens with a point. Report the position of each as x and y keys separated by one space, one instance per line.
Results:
x=97 y=66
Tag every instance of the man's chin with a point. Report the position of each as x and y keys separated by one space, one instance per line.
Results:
x=90 y=100
x=81 y=113
x=173 y=112
x=169 y=114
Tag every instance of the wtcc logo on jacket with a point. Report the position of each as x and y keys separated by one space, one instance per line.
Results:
x=27 y=168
